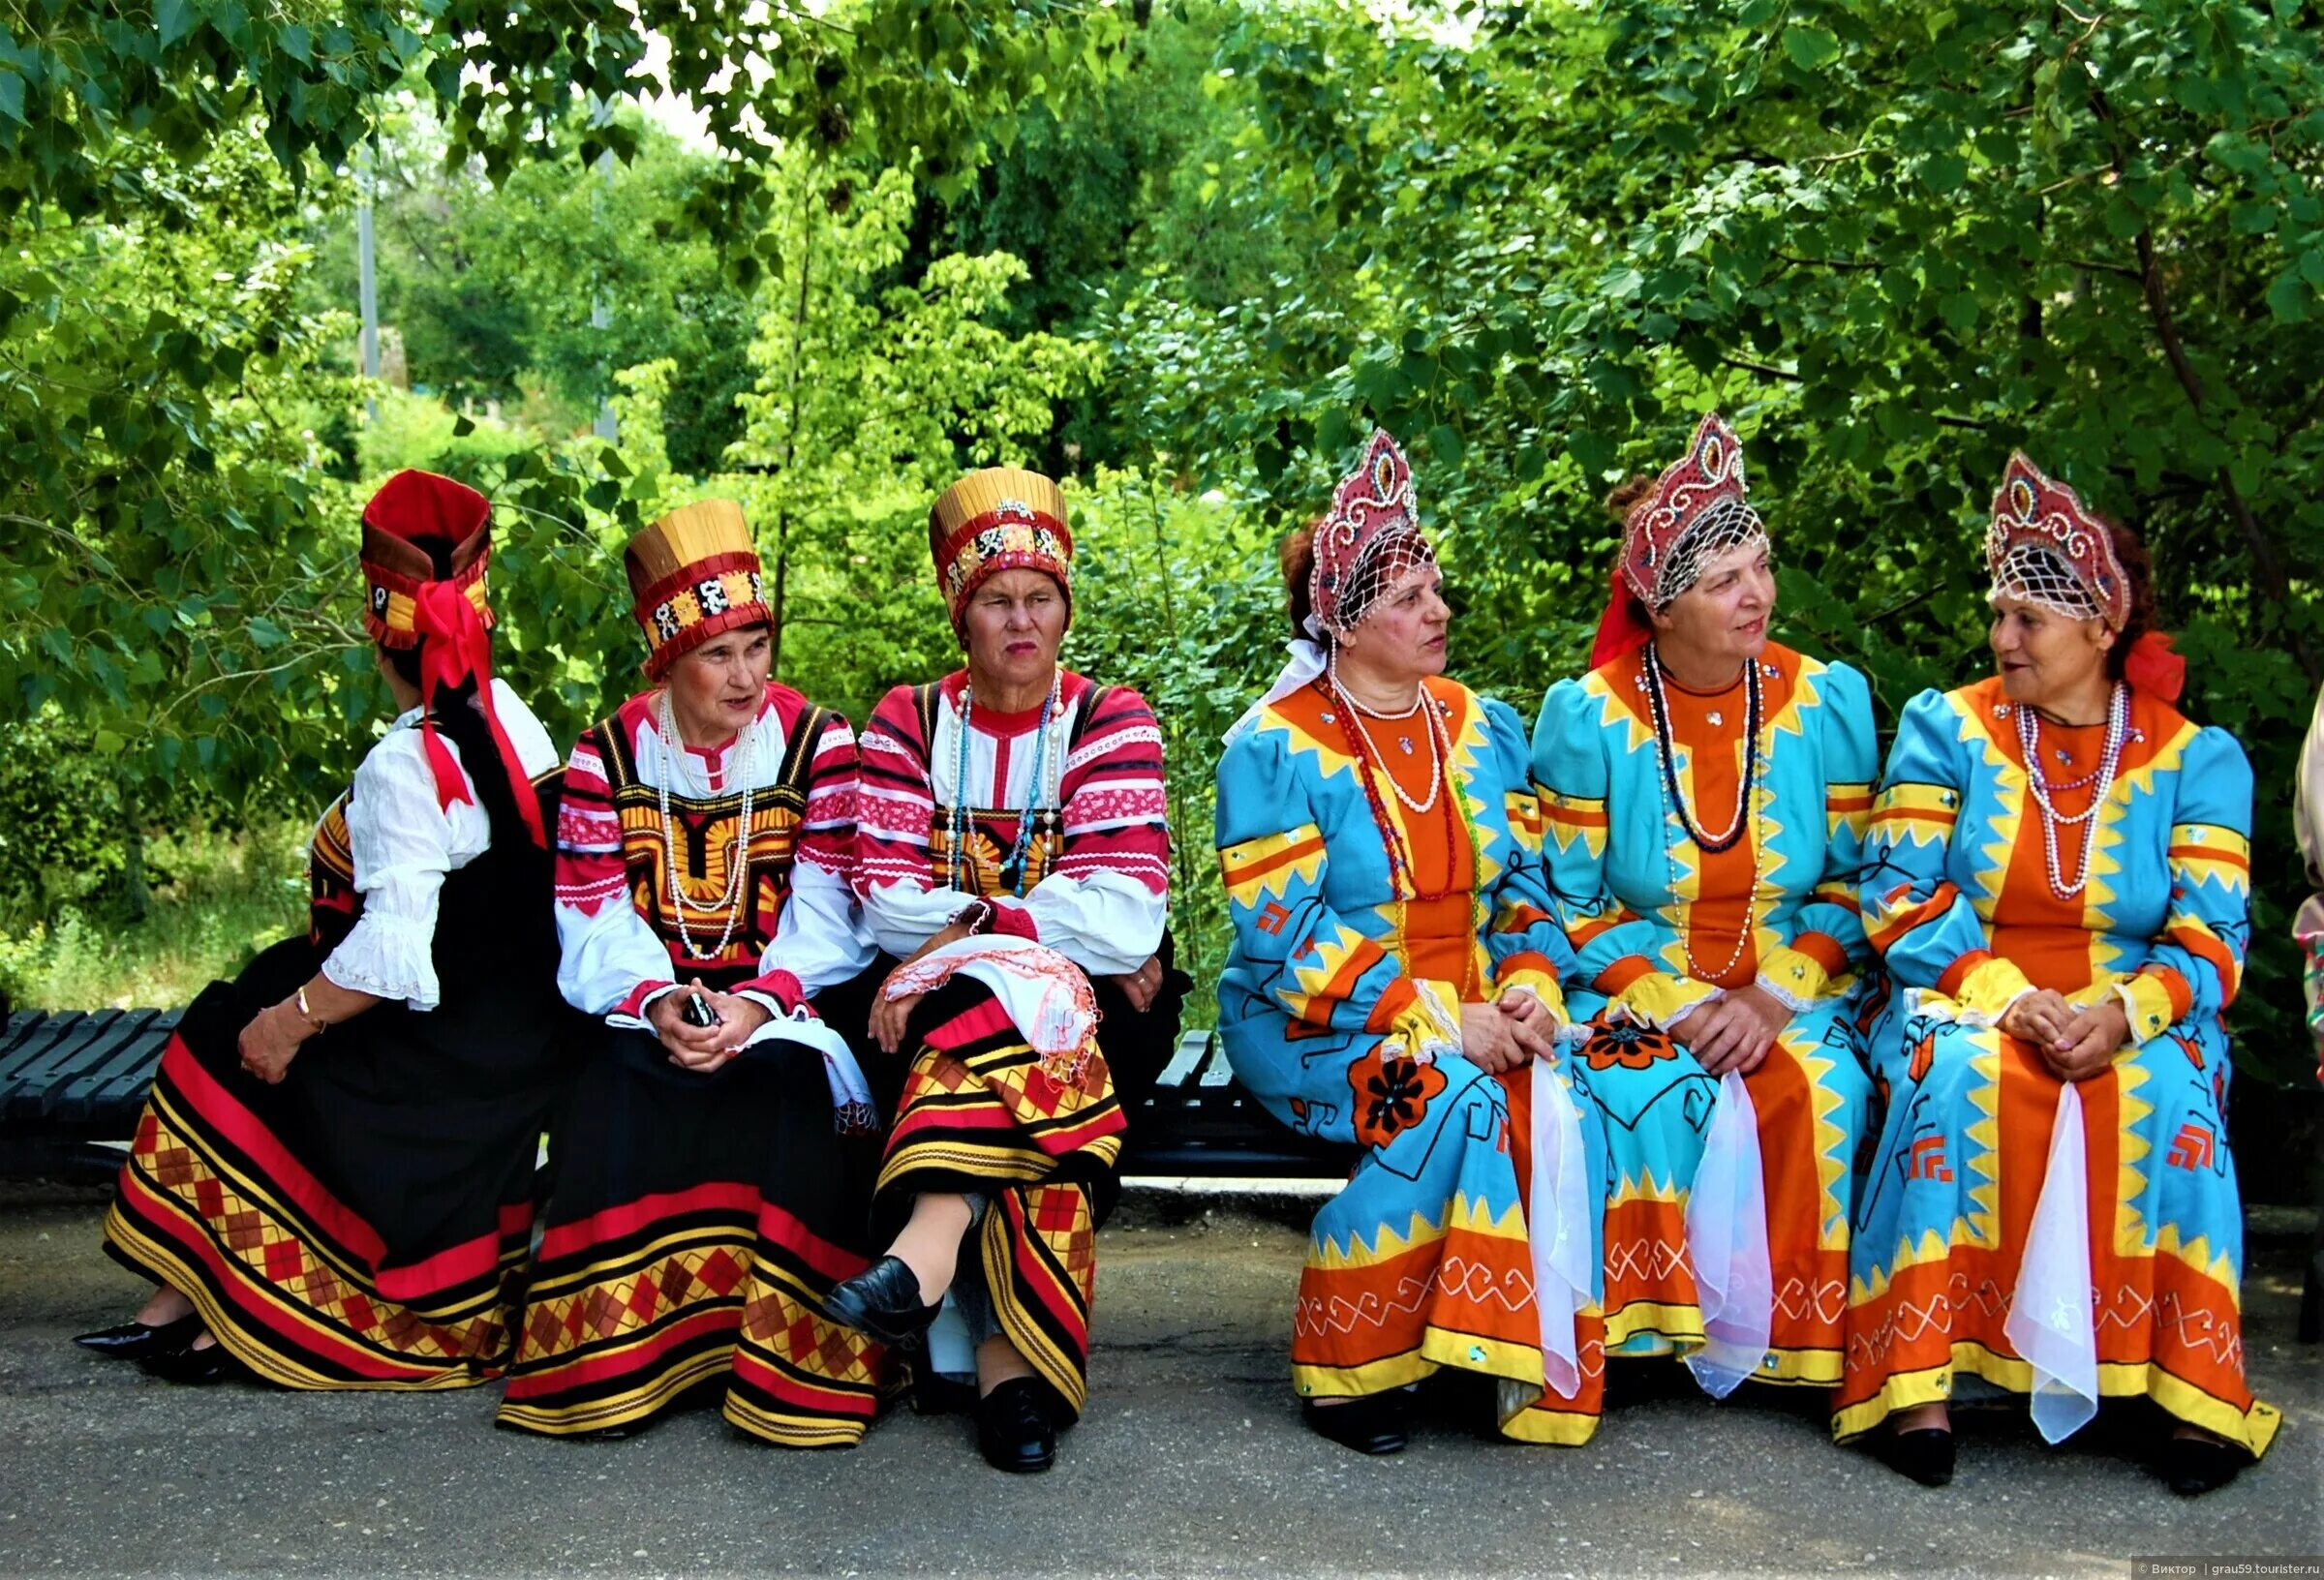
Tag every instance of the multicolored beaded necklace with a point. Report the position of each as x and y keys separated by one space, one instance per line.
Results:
x=1746 y=810
x=963 y=821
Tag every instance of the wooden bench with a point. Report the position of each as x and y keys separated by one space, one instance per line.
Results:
x=72 y=1081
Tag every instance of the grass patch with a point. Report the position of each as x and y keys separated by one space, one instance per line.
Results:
x=229 y=897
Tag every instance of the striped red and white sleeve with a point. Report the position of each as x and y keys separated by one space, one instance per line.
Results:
x=610 y=961
x=895 y=806
x=1103 y=903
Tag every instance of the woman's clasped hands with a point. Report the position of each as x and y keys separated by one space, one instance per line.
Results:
x=1734 y=1031
x=1512 y=1030
x=705 y=1049
x=2075 y=1042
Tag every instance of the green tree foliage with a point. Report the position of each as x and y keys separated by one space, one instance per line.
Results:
x=492 y=288
x=1895 y=243
x=872 y=392
x=176 y=574
x=1190 y=253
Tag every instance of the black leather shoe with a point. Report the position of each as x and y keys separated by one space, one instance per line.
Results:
x=2195 y=1466
x=883 y=1301
x=1925 y=1456
x=196 y=1367
x=1373 y=1424
x=133 y=1341
x=1013 y=1430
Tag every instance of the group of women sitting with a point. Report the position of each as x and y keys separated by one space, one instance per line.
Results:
x=809 y=1020
x=1670 y=1029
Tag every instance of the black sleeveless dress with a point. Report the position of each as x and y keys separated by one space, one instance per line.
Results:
x=364 y=1223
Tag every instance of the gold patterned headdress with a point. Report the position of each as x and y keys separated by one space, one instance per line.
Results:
x=1002 y=518
x=694 y=575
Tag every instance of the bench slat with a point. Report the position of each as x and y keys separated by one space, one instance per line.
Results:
x=1194 y=1046
x=40 y=1083
x=34 y=1042
x=105 y=1074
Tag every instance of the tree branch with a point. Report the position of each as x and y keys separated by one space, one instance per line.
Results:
x=1829 y=262
x=2268 y=569
x=1765 y=368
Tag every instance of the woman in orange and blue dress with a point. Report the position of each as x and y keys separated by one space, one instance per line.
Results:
x=1393 y=985
x=2058 y=878
x=1703 y=791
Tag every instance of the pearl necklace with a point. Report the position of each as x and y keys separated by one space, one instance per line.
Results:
x=964 y=820
x=1747 y=808
x=1437 y=754
x=746 y=764
x=2028 y=739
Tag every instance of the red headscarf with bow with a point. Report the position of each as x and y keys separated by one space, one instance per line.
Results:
x=445 y=617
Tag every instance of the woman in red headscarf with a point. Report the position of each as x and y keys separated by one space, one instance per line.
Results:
x=1704 y=796
x=332 y=1180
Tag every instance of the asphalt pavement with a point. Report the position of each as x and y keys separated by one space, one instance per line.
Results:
x=1191 y=1461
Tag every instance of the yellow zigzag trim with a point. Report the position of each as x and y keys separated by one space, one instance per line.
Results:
x=2133 y=1236
x=1464 y=1215
x=2230 y=869
x=1238 y=866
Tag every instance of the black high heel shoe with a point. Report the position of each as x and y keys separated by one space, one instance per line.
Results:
x=1926 y=1456
x=2195 y=1466
x=1374 y=1424
x=883 y=1301
x=196 y=1368
x=135 y=1341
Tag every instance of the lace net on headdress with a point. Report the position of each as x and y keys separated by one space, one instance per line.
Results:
x=1728 y=524
x=2033 y=574
x=1385 y=562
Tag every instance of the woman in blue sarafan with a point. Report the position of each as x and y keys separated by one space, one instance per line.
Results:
x=1393 y=985
x=1704 y=796
x=2058 y=877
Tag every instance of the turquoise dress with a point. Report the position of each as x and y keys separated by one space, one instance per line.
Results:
x=1658 y=928
x=1361 y=928
x=1961 y=898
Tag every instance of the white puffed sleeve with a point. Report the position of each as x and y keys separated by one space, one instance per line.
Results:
x=403 y=843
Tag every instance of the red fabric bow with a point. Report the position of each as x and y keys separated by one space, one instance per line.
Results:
x=454 y=648
x=1619 y=628
x=2152 y=667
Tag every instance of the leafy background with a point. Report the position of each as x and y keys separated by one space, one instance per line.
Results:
x=1182 y=254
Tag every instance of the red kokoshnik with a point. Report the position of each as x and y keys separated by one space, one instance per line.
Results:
x=1696 y=511
x=1368 y=539
x=2044 y=546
